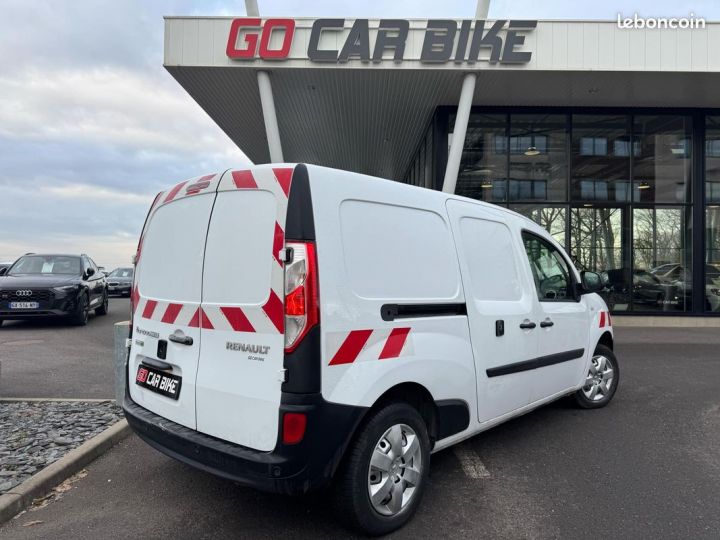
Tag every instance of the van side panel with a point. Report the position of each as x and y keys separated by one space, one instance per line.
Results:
x=377 y=253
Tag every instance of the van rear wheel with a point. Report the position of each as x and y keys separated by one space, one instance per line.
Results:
x=601 y=381
x=381 y=484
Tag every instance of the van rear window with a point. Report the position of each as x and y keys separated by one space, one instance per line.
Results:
x=396 y=252
x=172 y=255
x=239 y=254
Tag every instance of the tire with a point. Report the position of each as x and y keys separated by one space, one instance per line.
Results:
x=603 y=368
x=104 y=307
x=357 y=479
x=80 y=317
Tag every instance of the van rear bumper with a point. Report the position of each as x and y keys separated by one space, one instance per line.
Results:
x=289 y=469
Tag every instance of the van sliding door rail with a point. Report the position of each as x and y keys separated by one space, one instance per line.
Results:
x=390 y=312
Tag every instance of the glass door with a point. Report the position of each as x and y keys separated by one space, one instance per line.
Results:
x=598 y=242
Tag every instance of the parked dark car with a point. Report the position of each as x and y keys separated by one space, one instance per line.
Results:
x=646 y=289
x=52 y=286
x=120 y=281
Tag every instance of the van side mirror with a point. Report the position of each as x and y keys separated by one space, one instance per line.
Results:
x=89 y=272
x=591 y=282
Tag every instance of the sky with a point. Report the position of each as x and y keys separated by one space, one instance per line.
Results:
x=92 y=126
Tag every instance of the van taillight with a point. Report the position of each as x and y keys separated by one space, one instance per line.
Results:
x=302 y=310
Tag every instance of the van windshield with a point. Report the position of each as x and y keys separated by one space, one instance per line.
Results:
x=46 y=265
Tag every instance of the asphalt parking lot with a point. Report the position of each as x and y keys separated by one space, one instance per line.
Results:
x=50 y=358
x=647 y=466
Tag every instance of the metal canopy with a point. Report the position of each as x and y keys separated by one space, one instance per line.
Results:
x=372 y=121
x=370 y=118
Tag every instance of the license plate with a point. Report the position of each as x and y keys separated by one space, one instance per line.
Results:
x=159 y=382
x=24 y=305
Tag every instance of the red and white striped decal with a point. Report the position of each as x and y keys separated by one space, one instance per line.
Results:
x=268 y=318
x=200 y=184
x=605 y=319
x=354 y=343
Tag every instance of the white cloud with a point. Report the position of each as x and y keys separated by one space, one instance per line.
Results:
x=121 y=108
x=79 y=192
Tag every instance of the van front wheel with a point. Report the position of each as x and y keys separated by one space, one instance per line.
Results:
x=601 y=381
x=382 y=482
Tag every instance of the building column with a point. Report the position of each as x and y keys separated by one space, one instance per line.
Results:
x=270 y=117
x=458 y=137
x=482 y=9
x=267 y=101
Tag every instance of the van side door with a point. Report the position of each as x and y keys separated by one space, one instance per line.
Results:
x=500 y=304
x=561 y=315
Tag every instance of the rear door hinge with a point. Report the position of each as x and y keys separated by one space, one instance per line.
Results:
x=282 y=375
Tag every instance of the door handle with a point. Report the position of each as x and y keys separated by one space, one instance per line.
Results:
x=180 y=338
x=547 y=323
x=527 y=325
x=157 y=364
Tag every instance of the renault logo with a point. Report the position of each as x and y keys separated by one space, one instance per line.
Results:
x=23 y=293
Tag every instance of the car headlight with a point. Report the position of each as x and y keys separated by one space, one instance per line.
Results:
x=65 y=288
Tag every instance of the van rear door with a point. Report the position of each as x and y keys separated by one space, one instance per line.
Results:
x=166 y=301
x=241 y=366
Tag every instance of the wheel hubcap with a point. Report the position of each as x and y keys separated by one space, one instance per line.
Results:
x=395 y=470
x=600 y=379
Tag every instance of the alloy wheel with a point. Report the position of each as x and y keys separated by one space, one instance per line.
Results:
x=600 y=378
x=395 y=470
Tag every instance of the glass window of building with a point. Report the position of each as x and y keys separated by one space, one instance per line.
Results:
x=712 y=258
x=597 y=245
x=552 y=218
x=662 y=170
x=600 y=167
x=662 y=259
x=538 y=157
x=483 y=167
x=712 y=214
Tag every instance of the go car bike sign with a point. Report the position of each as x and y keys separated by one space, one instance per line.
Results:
x=444 y=40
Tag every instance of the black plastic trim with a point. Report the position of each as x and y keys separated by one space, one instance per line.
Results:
x=299 y=222
x=535 y=363
x=453 y=416
x=288 y=469
x=390 y=312
x=303 y=364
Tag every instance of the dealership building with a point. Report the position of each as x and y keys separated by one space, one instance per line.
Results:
x=608 y=136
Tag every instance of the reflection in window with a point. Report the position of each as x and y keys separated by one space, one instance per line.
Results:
x=663 y=169
x=483 y=166
x=597 y=175
x=593 y=146
x=712 y=259
x=549 y=269
x=552 y=219
x=712 y=159
x=596 y=244
x=662 y=264
x=538 y=155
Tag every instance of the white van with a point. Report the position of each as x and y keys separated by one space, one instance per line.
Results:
x=293 y=324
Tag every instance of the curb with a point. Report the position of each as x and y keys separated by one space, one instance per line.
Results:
x=58 y=400
x=15 y=501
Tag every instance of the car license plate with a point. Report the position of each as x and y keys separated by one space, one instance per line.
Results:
x=159 y=382
x=24 y=305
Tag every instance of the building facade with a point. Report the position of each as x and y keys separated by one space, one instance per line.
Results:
x=608 y=137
